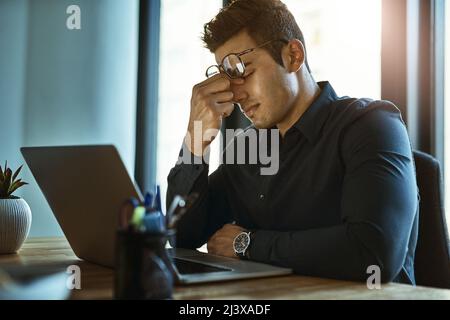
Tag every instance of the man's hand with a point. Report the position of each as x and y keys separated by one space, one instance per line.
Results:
x=211 y=101
x=221 y=243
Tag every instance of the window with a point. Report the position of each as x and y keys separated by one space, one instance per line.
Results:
x=183 y=62
x=343 y=42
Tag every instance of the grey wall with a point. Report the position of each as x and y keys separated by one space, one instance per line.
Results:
x=62 y=87
x=13 y=38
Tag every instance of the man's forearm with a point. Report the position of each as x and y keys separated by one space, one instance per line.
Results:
x=342 y=252
x=209 y=212
x=185 y=179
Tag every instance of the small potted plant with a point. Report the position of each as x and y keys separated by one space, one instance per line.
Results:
x=15 y=214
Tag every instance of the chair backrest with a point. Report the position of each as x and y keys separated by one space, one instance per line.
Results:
x=432 y=259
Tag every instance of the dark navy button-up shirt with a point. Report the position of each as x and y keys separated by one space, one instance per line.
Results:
x=344 y=197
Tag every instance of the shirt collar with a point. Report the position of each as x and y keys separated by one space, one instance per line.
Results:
x=311 y=122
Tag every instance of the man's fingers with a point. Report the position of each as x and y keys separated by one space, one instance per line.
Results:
x=230 y=226
x=219 y=248
x=222 y=97
x=224 y=109
x=211 y=79
x=209 y=246
x=219 y=84
x=218 y=77
x=213 y=245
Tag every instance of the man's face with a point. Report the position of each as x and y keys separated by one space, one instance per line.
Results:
x=269 y=91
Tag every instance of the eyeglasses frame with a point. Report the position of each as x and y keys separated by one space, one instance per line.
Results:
x=238 y=55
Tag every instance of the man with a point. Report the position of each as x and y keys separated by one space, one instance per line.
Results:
x=344 y=197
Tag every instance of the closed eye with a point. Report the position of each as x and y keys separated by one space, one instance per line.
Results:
x=248 y=73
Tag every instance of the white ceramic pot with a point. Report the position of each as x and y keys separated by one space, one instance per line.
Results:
x=15 y=223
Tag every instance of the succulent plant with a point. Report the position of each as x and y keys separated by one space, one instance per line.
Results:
x=9 y=182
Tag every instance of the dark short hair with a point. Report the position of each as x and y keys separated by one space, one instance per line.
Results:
x=264 y=20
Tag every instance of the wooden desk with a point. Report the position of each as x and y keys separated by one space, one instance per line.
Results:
x=97 y=282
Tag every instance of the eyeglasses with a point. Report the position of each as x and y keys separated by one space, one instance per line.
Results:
x=232 y=63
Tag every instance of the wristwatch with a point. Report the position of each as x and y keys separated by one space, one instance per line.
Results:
x=241 y=244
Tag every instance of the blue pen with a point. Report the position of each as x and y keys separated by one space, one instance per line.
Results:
x=148 y=199
x=134 y=202
x=157 y=200
x=153 y=223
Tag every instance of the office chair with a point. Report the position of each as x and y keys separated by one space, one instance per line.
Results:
x=432 y=260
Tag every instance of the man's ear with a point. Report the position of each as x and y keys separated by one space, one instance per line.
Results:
x=293 y=55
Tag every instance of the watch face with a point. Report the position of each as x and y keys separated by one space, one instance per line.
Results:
x=241 y=242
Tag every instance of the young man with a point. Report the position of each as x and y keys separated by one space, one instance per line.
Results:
x=344 y=197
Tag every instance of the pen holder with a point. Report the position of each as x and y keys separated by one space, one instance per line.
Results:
x=144 y=268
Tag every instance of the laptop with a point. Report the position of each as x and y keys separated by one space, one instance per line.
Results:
x=86 y=185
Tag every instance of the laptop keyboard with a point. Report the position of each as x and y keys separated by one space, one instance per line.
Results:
x=190 y=267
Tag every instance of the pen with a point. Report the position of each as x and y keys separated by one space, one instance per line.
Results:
x=148 y=199
x=181 y=206
x=157 y=200
x=152 y=222
x=137 y=219
x=126 y=212
x=173 y=206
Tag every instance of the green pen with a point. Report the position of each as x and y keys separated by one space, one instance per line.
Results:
x=137 y=218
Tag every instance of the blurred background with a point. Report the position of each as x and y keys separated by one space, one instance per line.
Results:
x=125 y=77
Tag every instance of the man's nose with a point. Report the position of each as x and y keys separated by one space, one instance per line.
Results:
x=238 y=89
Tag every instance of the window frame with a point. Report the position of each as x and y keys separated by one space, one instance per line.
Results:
x=147 y=94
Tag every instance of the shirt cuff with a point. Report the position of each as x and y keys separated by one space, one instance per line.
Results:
x=259 y=249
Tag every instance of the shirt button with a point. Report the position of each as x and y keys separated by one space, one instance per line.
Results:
x=261 y=197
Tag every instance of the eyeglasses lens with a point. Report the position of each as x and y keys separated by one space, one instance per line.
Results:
x=233 y=66
x=212 y=71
